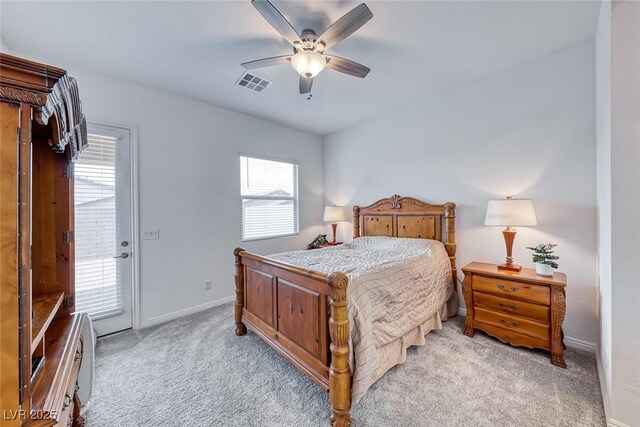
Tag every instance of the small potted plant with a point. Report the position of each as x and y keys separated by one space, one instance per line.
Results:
x=319 y=242
x=544 y=258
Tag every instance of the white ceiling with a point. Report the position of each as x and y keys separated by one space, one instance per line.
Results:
x=414 y=48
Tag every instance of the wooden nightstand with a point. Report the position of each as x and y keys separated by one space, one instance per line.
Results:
x=519 y=308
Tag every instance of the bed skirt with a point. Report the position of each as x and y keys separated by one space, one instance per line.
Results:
x=395 y=352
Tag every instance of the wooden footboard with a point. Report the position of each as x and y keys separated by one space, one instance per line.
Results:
x=302 y=314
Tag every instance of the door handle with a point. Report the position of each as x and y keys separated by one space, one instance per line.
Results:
x=122 y=255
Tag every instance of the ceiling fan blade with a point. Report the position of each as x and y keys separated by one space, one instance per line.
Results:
x=267 y=62
x=347 y=66
x=277 y=21
x=346 y=25
x=305 y=85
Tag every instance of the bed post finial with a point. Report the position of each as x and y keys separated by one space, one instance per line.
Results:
x=356 y=222
x=450 y=245
x=241 y=329
x=339 y=371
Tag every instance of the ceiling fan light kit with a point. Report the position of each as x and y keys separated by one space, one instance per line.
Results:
x=309 y=58
x=308 y=63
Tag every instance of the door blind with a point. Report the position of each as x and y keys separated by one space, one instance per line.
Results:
x=98 y=287
x=269 y=192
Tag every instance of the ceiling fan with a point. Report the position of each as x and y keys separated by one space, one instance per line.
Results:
x=308 y=57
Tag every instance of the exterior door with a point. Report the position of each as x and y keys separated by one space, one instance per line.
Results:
x=103 y=229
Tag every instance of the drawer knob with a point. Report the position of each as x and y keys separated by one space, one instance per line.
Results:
x=512 y=289
x=508 y=307
x=509 y=324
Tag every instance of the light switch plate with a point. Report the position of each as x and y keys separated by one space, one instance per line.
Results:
x=151 y=234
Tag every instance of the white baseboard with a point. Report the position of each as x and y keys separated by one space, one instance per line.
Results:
x=187 y=311
x=613 y=423
x=569 y=341
x=580 y=344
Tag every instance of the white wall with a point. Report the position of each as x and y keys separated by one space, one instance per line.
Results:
x=618 y=184
x=189 y=183
x=625 y=212
x=528 y=132
x=189 y=187
x=3 y=47
x=603 y=184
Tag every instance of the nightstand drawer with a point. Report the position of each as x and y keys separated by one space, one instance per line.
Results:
x=513 y=323
x=512 y=289
x=511 y=306
x=511 y=337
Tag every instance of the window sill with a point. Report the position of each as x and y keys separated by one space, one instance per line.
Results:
x=255 y=239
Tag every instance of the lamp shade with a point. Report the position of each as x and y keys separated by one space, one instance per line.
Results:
x=334 y=214
x=510 y=212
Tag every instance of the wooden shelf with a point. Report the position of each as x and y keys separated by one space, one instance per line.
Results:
x=48 y=387
x=44 y=309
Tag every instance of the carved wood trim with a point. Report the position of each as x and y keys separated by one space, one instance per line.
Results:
x=21 y=95
x=397 y=202
x=53 y=93
x=450 y=242
x=558 y=310
x=77 y=419
x=468 y=300
x=339 y=371
x=356 y=222
x=516 y=340
x=241 y=329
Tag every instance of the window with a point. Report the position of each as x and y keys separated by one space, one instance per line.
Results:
x=98 y=289
x=269 y=191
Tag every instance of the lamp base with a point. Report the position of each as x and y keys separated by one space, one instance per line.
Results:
x=509 y=236
x=334 y=227
x=509 y=267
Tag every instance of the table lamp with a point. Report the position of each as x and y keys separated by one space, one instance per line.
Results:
x=333 y=214
x=510 y=213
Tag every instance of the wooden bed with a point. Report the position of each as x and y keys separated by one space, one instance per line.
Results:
x=302 y=313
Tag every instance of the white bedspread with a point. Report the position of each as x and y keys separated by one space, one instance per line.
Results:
x=397 y=289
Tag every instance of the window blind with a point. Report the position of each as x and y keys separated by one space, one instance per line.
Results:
x=98 y=287
x=269 y=191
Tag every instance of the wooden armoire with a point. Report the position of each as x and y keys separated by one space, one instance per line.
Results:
x=42 y=131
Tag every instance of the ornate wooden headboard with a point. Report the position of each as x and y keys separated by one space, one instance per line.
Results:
x=398 y=216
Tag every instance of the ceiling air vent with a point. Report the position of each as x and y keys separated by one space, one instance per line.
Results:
x=253 y=82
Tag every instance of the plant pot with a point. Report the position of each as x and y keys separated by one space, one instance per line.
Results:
x=544 y=269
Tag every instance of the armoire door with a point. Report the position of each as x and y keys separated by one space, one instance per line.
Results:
x=9 y=278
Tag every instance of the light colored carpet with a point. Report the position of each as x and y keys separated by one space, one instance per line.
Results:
x=195 y=372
